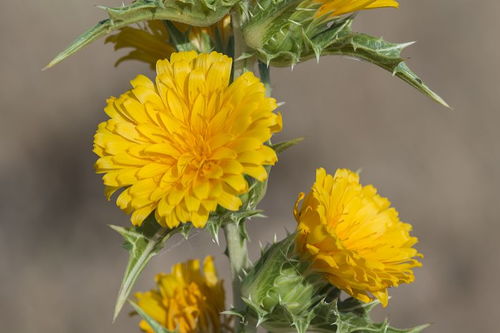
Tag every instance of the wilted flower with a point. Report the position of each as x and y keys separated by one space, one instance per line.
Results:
x=188 y=300
x=353 y=236
x=182 y=145
x=151 y=41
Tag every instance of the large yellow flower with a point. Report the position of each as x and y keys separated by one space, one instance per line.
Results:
x=151 y=42
x=182 y=145
x=189 y=299
x=354 y=237
x=334 y=8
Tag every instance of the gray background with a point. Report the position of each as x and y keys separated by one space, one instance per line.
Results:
x=61 y=265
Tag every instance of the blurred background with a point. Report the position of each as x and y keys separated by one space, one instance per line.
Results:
x=60 y=263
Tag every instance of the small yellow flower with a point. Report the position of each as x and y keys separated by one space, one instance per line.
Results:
x=150 y=41
x=354 y=237
x=182 y=145
x=334 y=8
x=189 y=299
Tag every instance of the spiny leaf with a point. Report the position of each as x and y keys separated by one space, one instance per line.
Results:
x=157 y=328
x=383 y=54
x=142 y=243
x=286 y=32
x=282 y=146
x=199 y=13
x=351 y=316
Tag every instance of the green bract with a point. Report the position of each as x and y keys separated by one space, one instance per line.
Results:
x=285 y=295
x=286 y=32
x=279 y=291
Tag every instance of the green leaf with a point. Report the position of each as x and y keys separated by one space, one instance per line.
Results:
x=282 y=146
x=383 y=54
x=195 y=13
x=157 y=328
x=286 y=32
x=142 y=243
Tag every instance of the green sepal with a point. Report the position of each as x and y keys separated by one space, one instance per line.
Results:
x=142 y=243
x=282 y=146
x=195 y=13
x=157 y=328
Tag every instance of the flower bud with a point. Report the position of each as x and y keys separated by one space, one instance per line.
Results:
x=281 y=291
x=286 y=32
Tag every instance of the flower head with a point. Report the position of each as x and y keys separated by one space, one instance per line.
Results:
x=182 y=145
x=333 y=8
x=151 y=41
x=354 y=237
x=188 y=300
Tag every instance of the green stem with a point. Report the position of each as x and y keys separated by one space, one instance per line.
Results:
x=235 y=236
x=265 y=77
x=238 y=258
x=240 y=66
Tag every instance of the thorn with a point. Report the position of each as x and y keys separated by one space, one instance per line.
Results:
x=405 y=45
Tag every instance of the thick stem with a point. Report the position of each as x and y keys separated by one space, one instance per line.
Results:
x=238 y=257
x=240 y=66
x=235 y=236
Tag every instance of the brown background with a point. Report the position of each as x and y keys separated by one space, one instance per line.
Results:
x=60 y=265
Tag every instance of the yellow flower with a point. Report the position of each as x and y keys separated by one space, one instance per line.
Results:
x=189 y=299
x=151 y=41
x=354 y=237
x=182 y=145
x=334 y=8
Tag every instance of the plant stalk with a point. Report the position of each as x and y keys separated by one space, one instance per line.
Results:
x=234 y=233
x=240 y=66
x=238 y=257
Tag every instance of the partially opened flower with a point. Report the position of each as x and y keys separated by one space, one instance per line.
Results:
x=184 y=144
x=187 y=300
x=151 y=41
x=353 y=236
x=334 y=8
